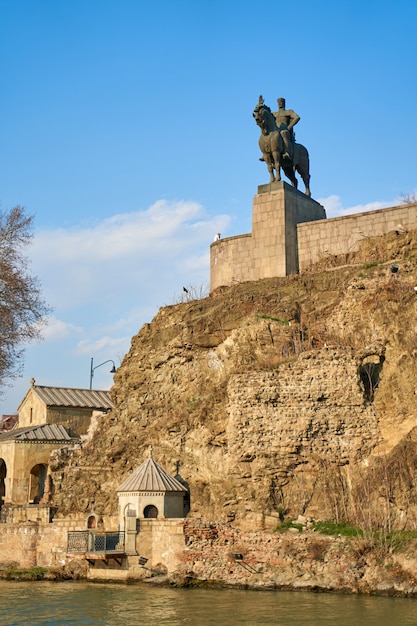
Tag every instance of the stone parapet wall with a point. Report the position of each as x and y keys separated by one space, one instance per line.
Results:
x=290 y=232
x=21 y=513
x=18 y=544
x=341 y=235
x=230 y=260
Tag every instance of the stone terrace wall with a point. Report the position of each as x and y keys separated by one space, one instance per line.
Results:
x=32 y=544
x=37 y=543
x=289 y=234
x=341 y=235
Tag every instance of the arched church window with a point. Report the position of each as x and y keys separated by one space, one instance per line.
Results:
x=37 y=482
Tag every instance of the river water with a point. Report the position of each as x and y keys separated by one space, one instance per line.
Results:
x=77 y=603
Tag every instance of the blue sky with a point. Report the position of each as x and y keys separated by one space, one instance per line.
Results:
x=127 y=132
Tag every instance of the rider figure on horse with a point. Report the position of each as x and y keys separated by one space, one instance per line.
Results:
x=286 y=119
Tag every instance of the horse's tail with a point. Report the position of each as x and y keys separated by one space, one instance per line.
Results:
x=302 y=165
x=301 y=157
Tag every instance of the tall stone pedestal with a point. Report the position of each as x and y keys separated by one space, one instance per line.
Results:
x=277 y=209
x=272 y=247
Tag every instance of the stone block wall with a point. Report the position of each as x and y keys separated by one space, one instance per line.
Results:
x=230 y=260
x=341 y=235
x=271 y=249
x=33 y=544
x=277 y=209
x=161 y=541
x=290 y=232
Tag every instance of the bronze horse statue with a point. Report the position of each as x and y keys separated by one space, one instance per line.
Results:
x=272 y=148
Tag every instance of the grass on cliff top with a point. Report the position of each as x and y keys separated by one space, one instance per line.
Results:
x=333 y=529
x=395 y=540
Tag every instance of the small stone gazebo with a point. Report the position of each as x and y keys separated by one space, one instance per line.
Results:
x=149 y=493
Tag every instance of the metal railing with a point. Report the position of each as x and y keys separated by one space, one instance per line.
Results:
x=88 y=541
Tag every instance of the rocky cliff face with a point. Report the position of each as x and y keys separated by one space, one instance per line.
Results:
x=279 y=397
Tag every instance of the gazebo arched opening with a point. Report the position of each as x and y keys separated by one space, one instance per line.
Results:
x=129 y=511
x=150 y=512
x=37 y=481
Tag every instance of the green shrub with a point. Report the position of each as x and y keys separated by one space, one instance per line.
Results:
x=282 y=528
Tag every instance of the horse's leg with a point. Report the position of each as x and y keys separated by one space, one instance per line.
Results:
x=307 y=184
x=275 y=156
x=303 y=170
x=303 y=166
x=290 y=174
x=270 y=165
x=276 y=153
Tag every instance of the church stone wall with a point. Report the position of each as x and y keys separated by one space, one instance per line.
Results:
x=20 y=458
x=32 y=411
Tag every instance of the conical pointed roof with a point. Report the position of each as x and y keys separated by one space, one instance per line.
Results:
x=151 y=477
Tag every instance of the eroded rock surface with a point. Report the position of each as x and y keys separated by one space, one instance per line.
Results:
x=279 y=397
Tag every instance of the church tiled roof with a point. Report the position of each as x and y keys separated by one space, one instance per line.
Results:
x=80 y=398
x=150 y=476
x=45 y=433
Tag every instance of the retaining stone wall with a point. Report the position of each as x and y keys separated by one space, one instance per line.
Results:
x=341 y=235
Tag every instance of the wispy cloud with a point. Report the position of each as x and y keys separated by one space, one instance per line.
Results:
x=99 y=345
x=111 y=276
x=126 y=254
x=55 y=329
x=334 y=206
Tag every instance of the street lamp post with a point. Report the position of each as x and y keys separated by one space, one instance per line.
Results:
x=112 y=371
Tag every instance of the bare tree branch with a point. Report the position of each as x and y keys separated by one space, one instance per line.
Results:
x=22 y=310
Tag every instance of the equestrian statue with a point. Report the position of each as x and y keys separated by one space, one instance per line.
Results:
x=278 y=146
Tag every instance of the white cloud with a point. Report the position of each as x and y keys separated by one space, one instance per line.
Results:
x=101 y=344
x=334 y=206
x=125 y=256
x=126 y=234
x=55 y=329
